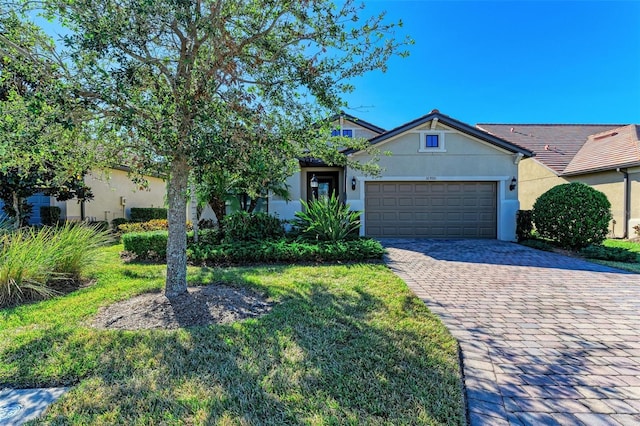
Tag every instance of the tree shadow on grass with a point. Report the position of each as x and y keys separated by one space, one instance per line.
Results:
x=321 y=355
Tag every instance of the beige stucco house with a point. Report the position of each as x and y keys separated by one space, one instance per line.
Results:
x=604 y=156
x=114 y=196
x=442 y=179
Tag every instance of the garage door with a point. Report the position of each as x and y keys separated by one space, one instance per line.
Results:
x=430 y=209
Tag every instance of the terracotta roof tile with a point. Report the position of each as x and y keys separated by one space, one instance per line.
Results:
x=554 y=145
x=607 y=150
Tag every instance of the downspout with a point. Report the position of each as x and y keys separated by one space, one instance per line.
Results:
x=627 y=202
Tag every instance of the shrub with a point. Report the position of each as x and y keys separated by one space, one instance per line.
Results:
x=207 y=224
x=615 y=254
x=242 y=226
x=538 y=244
x=574 y=215
x=33 y=261
x=145 y=214
x=286 y=251
x=152 y=225
x=637 y=230
x=50 y=215
x=524 y=224
x=327 y=219
x=147 y=245
x=115 y=223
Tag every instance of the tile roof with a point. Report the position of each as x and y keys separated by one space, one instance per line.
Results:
x=554 y=145
x=608 y=150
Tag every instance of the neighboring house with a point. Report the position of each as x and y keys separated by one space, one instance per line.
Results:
x=114 y=195
x=604 y=156
x=443 y=179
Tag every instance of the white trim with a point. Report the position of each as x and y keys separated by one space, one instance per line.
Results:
x=437 y=178
x=422 y=147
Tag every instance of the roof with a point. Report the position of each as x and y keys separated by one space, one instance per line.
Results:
x=559 y=145
x=607 y=150
x=457 y=125
x=359 y=122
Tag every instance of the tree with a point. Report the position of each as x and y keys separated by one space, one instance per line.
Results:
x=181 y=79
x=41 y=142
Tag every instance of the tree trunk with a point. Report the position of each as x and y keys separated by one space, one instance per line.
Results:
x=16 y=208
x=176 y=283
x=219 y=207
x=252 y=205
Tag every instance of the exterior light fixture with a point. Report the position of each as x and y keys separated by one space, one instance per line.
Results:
x=314 y=187
x=353 y=183
x=512 y=186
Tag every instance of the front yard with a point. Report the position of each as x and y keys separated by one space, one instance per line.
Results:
x=345 y=344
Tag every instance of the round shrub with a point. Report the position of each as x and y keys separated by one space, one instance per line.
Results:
x=574 y=215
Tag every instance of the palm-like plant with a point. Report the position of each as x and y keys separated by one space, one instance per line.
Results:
x=327 y=219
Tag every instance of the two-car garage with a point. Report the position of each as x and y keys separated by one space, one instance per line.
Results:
x=425 y=209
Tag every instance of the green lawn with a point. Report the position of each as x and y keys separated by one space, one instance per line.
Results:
x=343 y=344
x=631 y=246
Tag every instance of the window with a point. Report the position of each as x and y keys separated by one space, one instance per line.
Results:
x=347 y=133
x=433 y=141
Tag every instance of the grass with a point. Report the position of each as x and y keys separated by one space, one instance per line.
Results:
x=344 y=344
x=628 y=245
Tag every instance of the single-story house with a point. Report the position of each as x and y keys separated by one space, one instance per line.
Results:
x=114 y=196
x=604 y=156
x=443 y=179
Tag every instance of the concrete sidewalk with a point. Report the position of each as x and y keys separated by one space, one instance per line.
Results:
x=17 y=406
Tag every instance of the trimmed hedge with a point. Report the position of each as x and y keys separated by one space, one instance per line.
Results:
x=50 y=215
x=574 y=215
x=524 y=224
x=616 y=254
x=243 y=226
x=145 y=214
x=147 y=245
x=152 y=245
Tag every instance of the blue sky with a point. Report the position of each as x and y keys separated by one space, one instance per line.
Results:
x=508 y=62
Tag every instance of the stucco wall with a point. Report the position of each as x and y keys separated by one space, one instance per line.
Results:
x=108 y=190
x=465 y=158
x=535 y=179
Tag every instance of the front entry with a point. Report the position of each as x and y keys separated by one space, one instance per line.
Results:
x=328 y=183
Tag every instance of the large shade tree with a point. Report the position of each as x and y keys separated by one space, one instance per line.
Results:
x=44 y=146
x=179 y=80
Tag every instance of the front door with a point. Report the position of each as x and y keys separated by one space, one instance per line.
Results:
x=327 y=184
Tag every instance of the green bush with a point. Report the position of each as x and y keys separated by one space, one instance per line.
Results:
x=147 y=245
x=32 y=261
x=615 y=254
x=574 y=215
x=145 y=214
x=286 y=251
x=99 y=225
x=242 y=226
x=524 y=224
x=327 y=219
x=115 y=223
x=151 y=225
x=50 y=215
x=538 y=244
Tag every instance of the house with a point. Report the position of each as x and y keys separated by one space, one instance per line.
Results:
x=114 y=195
x=604 y=156
x=443 y=179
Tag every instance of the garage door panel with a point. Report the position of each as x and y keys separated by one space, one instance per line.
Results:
x=431 y=209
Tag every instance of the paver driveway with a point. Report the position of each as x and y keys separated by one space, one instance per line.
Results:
x=545 y=338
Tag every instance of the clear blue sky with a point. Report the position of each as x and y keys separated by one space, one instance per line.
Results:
x=508 y=62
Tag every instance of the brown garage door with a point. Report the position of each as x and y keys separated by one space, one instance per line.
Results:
x=430 y=209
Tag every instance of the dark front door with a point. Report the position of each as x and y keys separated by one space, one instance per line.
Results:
x=327 y=184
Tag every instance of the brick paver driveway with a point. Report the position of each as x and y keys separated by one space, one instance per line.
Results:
x=545 y=338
